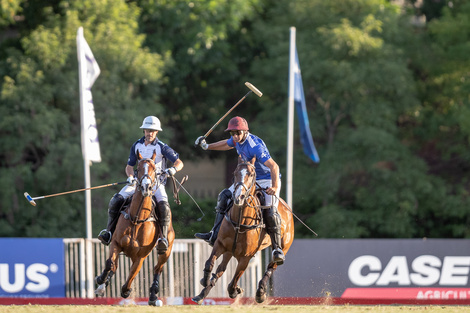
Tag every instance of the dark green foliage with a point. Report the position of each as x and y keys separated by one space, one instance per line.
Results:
x=387 y=101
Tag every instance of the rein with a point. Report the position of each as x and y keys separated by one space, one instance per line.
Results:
x=249 y=194
x=141 y=182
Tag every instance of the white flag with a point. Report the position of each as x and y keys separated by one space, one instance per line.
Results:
x=88 y=72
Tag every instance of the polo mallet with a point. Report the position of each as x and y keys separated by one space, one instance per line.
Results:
x=252 y=89
x=31 y=200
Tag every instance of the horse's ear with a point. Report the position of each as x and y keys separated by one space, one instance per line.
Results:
x=139 y=156
x=154 y=155
x=253 y=160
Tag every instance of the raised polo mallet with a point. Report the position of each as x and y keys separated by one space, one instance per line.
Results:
x=31 y=200
x=252 y=89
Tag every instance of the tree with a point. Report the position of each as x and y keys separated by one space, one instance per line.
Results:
x=359 y=89
x=40 y=135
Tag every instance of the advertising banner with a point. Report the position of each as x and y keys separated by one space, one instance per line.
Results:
x=376 y=269
x=32 y=267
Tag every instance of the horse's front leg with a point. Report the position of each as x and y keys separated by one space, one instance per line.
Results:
x=157 y=270
x=207 y=270
x=263 y=283
x=134 y=270
x=233 y=289
x=208 y=266
x=154 y=289
x=110 y=268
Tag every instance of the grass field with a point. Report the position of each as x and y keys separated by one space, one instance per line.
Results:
x=228 y=309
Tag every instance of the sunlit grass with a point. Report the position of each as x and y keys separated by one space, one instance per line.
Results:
x=229 y=308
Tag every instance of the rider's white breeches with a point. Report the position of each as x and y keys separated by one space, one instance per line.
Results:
x=160 y=192
x=269 y=200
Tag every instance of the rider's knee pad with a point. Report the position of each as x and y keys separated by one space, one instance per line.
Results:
x=223 y=200
x=116 y=203
x=272 y=217
x=164 y=211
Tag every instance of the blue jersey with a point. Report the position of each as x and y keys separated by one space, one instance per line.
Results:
x=163 y=152
x=254 y=146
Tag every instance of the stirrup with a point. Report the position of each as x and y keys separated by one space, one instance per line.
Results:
x=105 y=237
x=162 y=245
x=278 y=256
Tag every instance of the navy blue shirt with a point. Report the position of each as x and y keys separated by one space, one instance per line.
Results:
x=163 y=151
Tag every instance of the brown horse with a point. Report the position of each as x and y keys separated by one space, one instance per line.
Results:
x=136 y=234
x=242 y=234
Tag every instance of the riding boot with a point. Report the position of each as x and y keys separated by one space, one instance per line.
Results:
x=164 y=218
x=273 y=227
x=222 y=205
x=219 y=217
x=114 y=206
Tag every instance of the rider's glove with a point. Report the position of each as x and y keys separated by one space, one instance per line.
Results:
x=201 y=141
x=170 y=171
x=131 y=181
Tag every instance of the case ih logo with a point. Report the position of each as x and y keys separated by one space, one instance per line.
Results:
x=423 y=271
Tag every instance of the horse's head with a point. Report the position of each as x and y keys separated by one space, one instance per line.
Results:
x=244 y=182
x=146 y=175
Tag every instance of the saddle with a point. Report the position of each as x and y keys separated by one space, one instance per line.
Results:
x=153 y=216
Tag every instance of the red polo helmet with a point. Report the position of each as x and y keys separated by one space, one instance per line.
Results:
x=237 y=123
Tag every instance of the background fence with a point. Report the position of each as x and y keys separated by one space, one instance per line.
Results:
x=180 y=276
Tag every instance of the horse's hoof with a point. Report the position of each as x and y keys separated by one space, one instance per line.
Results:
x=100 y=291
x=238 y=290
x=126 y=293
x=197 y=299
x=260 y=295
x=156 y=303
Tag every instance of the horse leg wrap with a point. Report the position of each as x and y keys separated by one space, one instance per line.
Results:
x=264 y=281
x=156 y=283
x=213 y=280
x=154 y=288
x=107 y=273
x=104 y=277
x=205 y=281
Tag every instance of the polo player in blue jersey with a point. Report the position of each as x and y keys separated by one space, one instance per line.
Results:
x=249 y=146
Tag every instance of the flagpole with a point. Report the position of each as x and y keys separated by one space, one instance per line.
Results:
x=88 y=292
x=290 y=118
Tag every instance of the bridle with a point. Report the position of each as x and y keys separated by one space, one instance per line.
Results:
x=241 y=184
x=238 y=226
x=145 y=184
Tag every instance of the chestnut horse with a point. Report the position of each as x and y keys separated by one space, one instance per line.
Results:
x=242 y=234
x=136 y=234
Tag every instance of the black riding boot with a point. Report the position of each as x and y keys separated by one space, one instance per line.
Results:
x=114 y=206
x=164 y=221
x=222 y=206
x=273 y=227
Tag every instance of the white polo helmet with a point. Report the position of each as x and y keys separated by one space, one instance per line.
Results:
x=151 y=122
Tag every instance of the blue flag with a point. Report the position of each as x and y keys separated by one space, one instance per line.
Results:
x=299 y=99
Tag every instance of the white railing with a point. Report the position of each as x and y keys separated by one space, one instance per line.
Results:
x=180 y=276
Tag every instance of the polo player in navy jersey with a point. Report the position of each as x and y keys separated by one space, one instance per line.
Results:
x=249 y=146
x=146 y=146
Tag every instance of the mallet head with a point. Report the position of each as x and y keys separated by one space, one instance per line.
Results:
x=254 y=89
x=28 y=197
